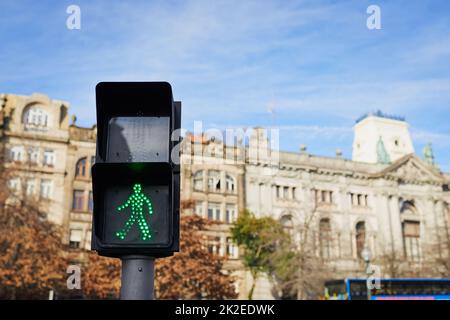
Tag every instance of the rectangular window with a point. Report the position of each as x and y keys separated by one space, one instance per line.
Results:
x=286 y=192
x=293 y=193
x=33 y=155
x=16 y=153
x=323 y=196
x=49 y=158
x=214 y=245
x=411 y=239
x=230 y=215
x=31 y=187
x=46 y=189
x=278 y=191
x=210 y=214
x=78 y=200
x=359 y=199
x=199 y=208
x=75 y=238
x=231 y=249
x=14 y=185
x=214 y=211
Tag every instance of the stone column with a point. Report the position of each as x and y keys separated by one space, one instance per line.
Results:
x=260 y=197
x=205 y=209
x=222 y=246
x=354 y=252
x=383 y=213
x=241 y=192
x=223 y=181
x=345 y=246
x=269 y=196
x=205 y=180
x=223 y=208
x=396 y=225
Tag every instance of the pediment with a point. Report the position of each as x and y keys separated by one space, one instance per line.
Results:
x=412 y=169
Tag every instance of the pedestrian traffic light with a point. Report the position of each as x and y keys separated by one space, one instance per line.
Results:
x=136 y=187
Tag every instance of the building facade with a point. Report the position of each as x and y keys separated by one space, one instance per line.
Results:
x=35 y=141
x=386 y=199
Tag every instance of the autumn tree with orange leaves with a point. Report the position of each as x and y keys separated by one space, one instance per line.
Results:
x=32 y=260
x=192 y=273
x=100 y=277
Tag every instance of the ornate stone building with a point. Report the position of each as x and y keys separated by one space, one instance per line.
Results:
x=51 y=160
x=398 y=209
x=212 y=177
x=386 y=198
x=34 y=139
x=78 y=188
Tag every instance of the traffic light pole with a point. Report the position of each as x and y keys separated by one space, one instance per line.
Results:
x=137 y=278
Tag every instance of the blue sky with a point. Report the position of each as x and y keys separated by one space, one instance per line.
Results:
x=314 y=63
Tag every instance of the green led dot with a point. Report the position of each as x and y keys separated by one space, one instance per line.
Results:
x=136 y=200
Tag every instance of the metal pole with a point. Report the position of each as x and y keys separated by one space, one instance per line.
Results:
x=137 y=278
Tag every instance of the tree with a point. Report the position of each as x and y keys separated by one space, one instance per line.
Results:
x=32 y=260
x=300 y=265
x=436 y=255
x=259 y=237
x=101 y=277
x=393 y=263
x=194 y=272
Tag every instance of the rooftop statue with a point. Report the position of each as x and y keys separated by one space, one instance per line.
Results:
x=382 y=155
x=428 y=154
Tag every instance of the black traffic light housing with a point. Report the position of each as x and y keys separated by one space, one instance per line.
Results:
x=136 y=184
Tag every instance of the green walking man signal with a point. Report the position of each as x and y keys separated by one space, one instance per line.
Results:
x=137 y=212
x=137 y=200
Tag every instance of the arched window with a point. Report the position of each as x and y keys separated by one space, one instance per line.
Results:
x=198 y=180
x=410 y=231
x=286 y=222
x=35 y=117
x=230 y=184
x=81 y=169
x=214 y=180
x=360 y=237
x=325 y=238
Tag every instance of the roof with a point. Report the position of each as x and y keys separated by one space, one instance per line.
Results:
x=380 y=114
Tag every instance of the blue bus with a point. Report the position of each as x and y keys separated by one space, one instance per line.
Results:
x=389 y=289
